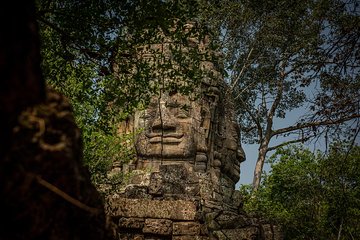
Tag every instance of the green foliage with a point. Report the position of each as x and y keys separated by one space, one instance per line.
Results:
x=312 y=196
x=341 y=180
x=109 y=38
x=92 y=53
x=103 y=151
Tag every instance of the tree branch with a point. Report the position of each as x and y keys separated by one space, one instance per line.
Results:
x=270 y=116
x=55 y=27
x=65 y=196
x=279 y=93
x=314 y=124
x=242 y=69
x=244 y=89
x=253 y=117
x=288 y=142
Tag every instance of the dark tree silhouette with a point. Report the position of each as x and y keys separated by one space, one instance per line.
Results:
x=46 y=192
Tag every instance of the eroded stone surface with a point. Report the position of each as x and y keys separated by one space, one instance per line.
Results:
x=190 y=238
x=187 y=166
x=186 y=228
x=137 y=223
x=146 y=208
x=250 y=233
x=270 y=231
x=158 y=226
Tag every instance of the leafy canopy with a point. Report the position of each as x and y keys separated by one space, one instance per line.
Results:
x=312 y=196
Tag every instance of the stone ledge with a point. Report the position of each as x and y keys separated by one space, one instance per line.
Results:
x=146 y=208
x=158 y=226
x=248 y=233
x=135 y=223
x=190 y=238
x=186 y=228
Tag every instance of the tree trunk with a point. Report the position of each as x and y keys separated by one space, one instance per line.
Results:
x=21 y=81
x=45 y=191
x=260 y=164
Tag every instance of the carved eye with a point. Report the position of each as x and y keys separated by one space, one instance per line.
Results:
x=172 y=104
x=147 y=115
x=183 y=113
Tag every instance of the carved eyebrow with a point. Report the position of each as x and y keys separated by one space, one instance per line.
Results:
x=147 y=114
x=185 y=107
x=172 y=104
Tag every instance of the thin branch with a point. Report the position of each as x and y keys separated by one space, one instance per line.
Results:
x=288 y=142
x=352 y=144
x=253 y=117
x=270 y=116
x=278 y=95
x=242 y=69
x=90 y=54
x=244 y=89
x=66 y=196
x=314 y=124
x=55 y=27
x=263 y=98
x=249 y=128
x=340 y=229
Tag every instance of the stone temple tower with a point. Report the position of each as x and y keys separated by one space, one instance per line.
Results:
x=188 y=162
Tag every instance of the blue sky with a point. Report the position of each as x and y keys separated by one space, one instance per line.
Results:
x=251 y=150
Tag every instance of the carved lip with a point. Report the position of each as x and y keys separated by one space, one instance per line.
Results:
x=167 y=138
x=237 y=167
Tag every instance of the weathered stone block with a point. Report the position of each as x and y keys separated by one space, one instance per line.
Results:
x=211 y=223
x=131 y=236
x=135 y=223
x=135 y=191
x=158 y=226
x=190 y=238
x=140 y=177
x=249 y=233
x=179 y=180
x=204 y=230
x=156 y=183
x=146 y=208
x=271 y=232
x=186 y=228
x=157 y=237
x=228 y=220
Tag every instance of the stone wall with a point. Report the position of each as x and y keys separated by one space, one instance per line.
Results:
x=179 y=203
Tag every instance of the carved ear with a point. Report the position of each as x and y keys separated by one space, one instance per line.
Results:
x=240 y=154
x=212 y=94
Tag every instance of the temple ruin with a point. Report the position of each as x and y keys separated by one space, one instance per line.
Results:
x=188 y=162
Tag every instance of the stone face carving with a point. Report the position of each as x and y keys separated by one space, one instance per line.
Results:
x=174 y=129
x=188 y=162
x=197 y=128
x=168 y=125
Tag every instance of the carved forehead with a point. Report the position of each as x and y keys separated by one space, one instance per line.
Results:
x=171 y=98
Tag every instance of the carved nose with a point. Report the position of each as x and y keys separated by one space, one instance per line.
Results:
x=164 y=121
x=163 y=125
